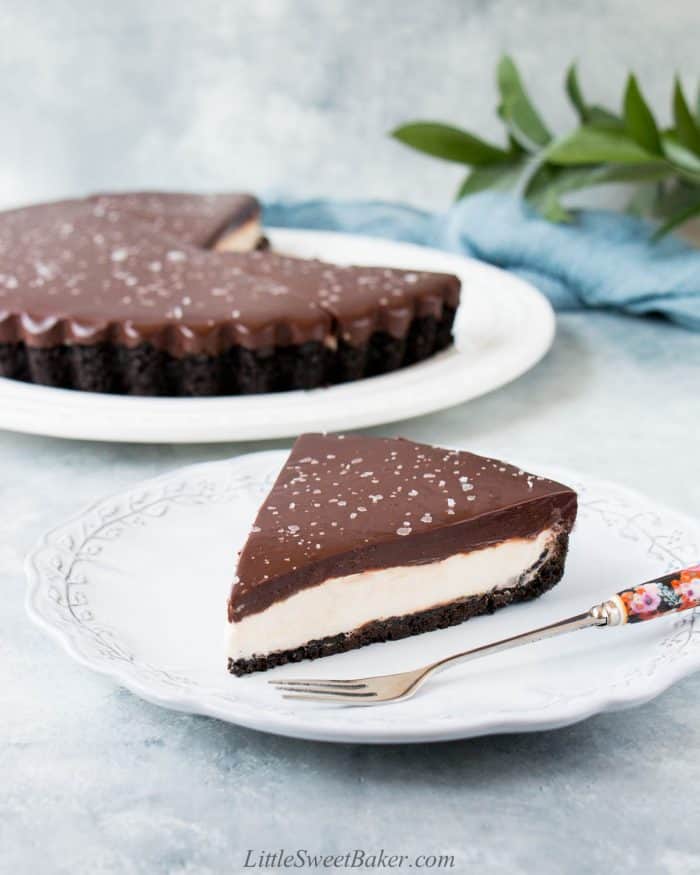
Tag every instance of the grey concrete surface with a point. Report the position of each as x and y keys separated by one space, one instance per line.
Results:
x=93 y=780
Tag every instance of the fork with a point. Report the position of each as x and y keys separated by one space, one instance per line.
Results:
x=678 y=591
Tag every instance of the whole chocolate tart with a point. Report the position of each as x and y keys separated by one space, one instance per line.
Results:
x=175 y=294
x=372 y=539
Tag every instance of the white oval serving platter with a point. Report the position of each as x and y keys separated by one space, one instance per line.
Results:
x=503 y=327
x=136 y=587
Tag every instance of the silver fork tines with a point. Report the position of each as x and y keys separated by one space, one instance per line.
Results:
x=353 y=691
x=322 y=695
x=349 y=684
x=326 y=690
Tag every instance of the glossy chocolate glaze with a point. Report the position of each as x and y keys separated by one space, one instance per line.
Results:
x=192 y=218
x=342 y=505
x=135 y=268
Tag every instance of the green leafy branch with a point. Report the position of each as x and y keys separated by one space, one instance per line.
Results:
x=607 y=147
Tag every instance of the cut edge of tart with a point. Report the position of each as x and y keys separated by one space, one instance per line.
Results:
x=364 y=539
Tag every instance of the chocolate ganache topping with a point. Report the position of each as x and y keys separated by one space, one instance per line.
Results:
x=343 y=505
x=129 y=269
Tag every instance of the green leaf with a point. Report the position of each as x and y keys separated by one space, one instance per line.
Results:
x=567 y=179
x=448 y=143
x=677 y=153
x=687 y=130
x=546 y=188
x=517 y=110
x=674 y=196
x=601 y=117
x=515 y=148
x=676 y=220
x=575 y=96
x=613 y=173
x=639 y=121
x=593 y=145
x=606 y=148
x=543 y=191
x=553 y=210
x=494 y=176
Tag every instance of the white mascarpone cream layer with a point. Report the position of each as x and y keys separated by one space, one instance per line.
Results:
x=241 y=239
x=342 y=604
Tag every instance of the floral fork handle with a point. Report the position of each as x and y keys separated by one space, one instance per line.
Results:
x=677 y=591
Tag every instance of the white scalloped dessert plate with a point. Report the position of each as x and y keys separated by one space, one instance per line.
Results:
x=503 y=328
x=136 y=588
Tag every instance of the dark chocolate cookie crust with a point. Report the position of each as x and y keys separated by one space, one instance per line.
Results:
x=545 y=574
x=144 y=370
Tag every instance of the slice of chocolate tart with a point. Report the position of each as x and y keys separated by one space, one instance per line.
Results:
x=365 y=539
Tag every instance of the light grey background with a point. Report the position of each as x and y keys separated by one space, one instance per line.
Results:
x=296 y=96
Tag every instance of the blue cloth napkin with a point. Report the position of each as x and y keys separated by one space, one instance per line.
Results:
x=602 y=260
